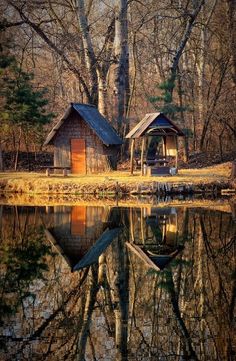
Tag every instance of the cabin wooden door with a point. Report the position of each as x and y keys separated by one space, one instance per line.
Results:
x=78 y=156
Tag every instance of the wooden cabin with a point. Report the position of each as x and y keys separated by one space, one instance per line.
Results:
x=159 y=153
x=84 y=141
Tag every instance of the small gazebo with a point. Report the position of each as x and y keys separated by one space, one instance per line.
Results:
x=160 y=141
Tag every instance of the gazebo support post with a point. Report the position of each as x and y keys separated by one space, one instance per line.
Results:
x=142 y=155
x=176 y=157
x=164 y=146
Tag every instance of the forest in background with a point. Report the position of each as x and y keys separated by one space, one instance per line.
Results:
x=126 y=57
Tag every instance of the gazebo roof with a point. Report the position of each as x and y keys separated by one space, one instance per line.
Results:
x=155 y=124
x=156 y=262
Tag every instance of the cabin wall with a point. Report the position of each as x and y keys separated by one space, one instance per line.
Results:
x=99 y=158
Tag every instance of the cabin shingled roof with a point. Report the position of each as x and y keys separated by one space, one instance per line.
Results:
x=94 y=120
x=146 y=122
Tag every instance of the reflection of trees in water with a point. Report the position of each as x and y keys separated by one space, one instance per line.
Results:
x=192 y=299
x=23 y=260
x=119 y=309
x=216 y=279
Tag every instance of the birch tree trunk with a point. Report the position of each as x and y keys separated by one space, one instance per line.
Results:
x=90 y=58
x=121 y=61
x=102 y=93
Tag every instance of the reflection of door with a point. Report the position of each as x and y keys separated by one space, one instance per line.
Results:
x=78 y=159
x=78 y=220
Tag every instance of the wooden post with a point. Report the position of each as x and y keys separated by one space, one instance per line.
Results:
x=142 y=154
x=233 y=170
x=64 y=172
x=1 y=157
x=164 y=150
x=164 y=146
x=131 y=224
x=176 y=157
x=132 y=156
x=186 y=148
x=47 y=209
x=142 y=225
x=47 y=172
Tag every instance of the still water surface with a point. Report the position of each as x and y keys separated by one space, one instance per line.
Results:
x=117 y=283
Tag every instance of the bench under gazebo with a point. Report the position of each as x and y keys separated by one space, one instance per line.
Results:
x=159 y=149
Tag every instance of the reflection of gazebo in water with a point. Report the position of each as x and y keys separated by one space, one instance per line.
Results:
x=158 y=244
x=81 y=234
x=159 y=139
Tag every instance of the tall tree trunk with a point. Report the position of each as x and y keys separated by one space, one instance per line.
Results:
x=1 y=157
x=179 y=51
x=232 y=33
x=201 y=77
x=90 y=58
x=201 y=64
x=186 y=143
x=211 y=107
x=121 y=60
x=232 y=36
x=102 y=93
x=27 y=148
x=17 y=150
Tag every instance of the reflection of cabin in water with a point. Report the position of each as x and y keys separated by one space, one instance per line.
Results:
x=82 y=233
x=156 y=242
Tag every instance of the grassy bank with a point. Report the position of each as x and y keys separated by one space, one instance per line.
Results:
x=113 y=182
x=41 y=200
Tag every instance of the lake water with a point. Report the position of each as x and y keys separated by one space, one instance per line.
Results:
x=102 y=282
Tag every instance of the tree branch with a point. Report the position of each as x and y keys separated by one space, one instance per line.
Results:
x=53 y=46
x=4 y=24
x=185 y=38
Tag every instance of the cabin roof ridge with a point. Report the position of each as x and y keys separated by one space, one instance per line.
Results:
x=82 y=104
x=94 y=119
